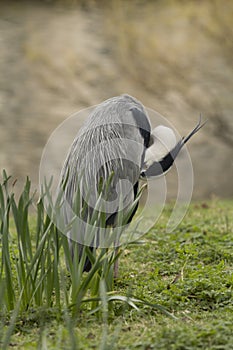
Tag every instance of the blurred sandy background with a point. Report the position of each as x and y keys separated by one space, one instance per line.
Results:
x=57 y=57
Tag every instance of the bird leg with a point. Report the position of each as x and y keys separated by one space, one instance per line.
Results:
x=116 y=265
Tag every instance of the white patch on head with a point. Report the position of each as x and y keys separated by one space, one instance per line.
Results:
x=164 y=140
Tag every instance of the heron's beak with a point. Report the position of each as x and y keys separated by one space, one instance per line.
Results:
x=160 y=167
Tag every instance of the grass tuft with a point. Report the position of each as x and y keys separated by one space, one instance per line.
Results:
x=174 y=290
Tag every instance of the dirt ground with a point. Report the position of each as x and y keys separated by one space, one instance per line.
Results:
x=56 y=60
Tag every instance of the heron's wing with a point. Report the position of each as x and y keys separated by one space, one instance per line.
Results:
x=160 y=167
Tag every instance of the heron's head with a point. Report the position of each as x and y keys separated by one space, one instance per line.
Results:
x=162 y=141
x=163 y=150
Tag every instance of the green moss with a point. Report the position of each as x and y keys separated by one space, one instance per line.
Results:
x=188 y=271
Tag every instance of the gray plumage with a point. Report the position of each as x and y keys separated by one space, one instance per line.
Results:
x=105 y=135
x=112 y=142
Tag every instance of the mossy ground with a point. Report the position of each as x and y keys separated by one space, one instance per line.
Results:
x=189 y=271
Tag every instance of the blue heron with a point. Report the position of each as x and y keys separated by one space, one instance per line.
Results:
x=116 y=140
